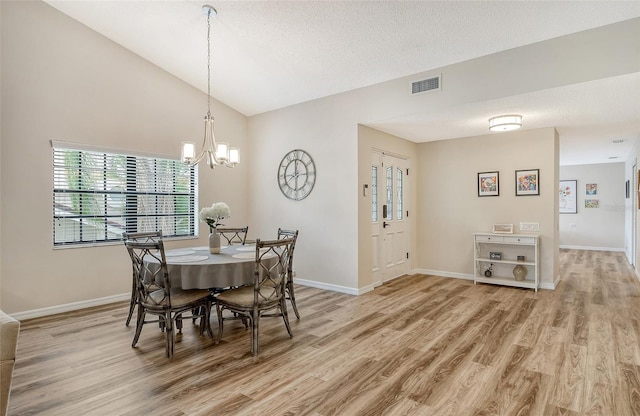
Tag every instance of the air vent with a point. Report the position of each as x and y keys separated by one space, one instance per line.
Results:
x=425 y=85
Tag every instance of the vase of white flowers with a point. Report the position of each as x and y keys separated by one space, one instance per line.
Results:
x=212 y=216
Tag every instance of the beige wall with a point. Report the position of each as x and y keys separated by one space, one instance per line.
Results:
x=595 y=228
x=450 y=211
x=327 y=248
x=63 y=81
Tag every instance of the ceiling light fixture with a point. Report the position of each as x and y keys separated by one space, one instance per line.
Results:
x=215 y=153
x=505 y=123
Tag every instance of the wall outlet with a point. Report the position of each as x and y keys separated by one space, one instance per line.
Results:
x=529 y=226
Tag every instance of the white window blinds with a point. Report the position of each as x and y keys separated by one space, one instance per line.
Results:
x=98 y=195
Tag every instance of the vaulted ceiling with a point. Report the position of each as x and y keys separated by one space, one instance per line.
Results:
x=268 y=55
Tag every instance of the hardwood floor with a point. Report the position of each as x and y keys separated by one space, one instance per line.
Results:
x=419 y=345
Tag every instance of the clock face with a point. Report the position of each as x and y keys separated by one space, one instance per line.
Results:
x=296 y=174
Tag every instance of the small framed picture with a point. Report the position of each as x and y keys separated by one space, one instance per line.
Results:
x=521 y=258
x=568 y=197
x=502 y=229
x=495 y=255
x=488 y=184
x=592 y=203
x=591 y=189
x=528 y=182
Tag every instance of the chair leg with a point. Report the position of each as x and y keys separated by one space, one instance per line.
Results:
x=219 y=311
x=169 y=334
x=255 y=330
x=132 y=302
x=139 y=324
x=179 y=323
x=285 y=316
x=292 y=298
x=205 y=320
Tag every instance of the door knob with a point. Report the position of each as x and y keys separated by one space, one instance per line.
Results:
x=385 y=224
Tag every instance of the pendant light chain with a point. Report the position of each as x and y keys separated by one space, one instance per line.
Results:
x=209 y=63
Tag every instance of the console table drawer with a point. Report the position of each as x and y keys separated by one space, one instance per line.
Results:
x=520 y=240
x=489 y=238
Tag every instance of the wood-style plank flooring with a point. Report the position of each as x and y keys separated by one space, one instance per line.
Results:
x=419 y=345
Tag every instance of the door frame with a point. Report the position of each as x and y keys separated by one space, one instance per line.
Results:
x=377 y=276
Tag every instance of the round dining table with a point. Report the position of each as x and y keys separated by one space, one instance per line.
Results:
x=196 y=268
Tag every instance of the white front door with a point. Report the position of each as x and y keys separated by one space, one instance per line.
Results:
x=389 y=217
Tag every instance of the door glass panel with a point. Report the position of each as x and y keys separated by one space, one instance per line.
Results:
x=389 y=202
x=374 y=193
x=399 y=194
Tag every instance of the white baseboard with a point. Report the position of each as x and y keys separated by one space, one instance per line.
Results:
x=333 y=288
x=569 y=247
x=68 y=307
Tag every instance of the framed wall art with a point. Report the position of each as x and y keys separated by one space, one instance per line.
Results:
x=591 y=189
x=528 y=182
x=568 y=197
x=488 y=184
x=502 y=229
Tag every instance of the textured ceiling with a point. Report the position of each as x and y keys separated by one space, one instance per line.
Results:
x=271 y=54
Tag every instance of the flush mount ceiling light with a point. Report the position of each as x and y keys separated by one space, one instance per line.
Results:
x=505 y=123
x=215 y=153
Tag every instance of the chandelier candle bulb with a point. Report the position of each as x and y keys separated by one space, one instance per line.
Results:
x=188 y=151
x=234 y=156
x=222 y=151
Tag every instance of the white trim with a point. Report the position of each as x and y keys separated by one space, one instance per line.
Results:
x=61 y=144
x=334 y=288
x=388 y=153
x=68 y=307
x=569 y=247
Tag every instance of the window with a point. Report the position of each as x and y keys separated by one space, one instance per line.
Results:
x=389 y=203
x=374 y=193
x=98 y=195
x=399 y=196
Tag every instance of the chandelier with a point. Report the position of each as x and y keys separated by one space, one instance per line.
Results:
x=214 y=153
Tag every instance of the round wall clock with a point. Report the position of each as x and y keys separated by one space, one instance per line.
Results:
x=296 y=174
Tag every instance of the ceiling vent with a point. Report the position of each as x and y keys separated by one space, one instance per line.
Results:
x=425 y=85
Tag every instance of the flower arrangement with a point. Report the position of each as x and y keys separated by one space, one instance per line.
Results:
x=214 y=214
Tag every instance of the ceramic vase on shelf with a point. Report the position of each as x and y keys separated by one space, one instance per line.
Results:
x=214 y=241
x=519 y=272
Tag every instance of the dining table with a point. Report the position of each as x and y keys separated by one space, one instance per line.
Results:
x=197 y=268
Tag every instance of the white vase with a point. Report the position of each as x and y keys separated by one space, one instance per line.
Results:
x=214 y=242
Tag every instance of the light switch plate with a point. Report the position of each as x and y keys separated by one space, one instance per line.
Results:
x=529 y=226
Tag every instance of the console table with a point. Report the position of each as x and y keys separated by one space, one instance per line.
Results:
x=509 y=247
